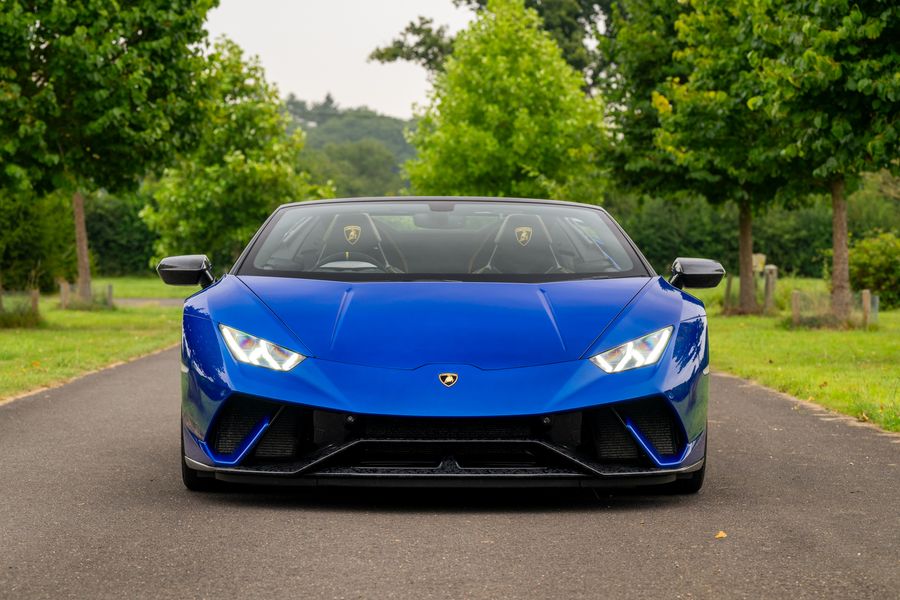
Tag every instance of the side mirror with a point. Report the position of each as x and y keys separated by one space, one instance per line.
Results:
x=190 y=269
x=696 y=273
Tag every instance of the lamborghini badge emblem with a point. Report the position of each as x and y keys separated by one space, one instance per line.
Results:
x=448 y=379
x=523 y=235
x=351 y=232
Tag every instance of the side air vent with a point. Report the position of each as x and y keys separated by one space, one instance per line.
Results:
x=612 y=442
x=237 y=420
x=654 y=419
x=282 y=438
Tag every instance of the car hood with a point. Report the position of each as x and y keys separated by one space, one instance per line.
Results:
x=404 y=325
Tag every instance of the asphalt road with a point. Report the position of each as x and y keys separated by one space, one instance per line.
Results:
x=92 y=506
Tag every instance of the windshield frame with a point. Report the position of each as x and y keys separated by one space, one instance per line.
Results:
x=244 y=264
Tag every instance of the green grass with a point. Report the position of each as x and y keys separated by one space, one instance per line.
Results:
x=852 y=371
x=811 y=289
x=141 y=287
x=70 y=343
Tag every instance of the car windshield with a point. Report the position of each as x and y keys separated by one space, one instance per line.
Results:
x=488 y=240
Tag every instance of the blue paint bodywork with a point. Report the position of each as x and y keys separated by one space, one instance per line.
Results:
x=377 y=348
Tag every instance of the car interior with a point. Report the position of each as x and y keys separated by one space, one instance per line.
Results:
x=439 y=242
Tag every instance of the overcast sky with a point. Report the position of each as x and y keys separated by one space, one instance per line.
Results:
x=312 y=47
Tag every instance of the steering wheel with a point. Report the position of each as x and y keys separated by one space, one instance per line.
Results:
x=357 y=256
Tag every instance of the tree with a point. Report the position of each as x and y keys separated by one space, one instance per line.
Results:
x=421 y=43
x=36 y=240
x=361 y=168
x=507 y=115
x=327 y=123
x=569 y=22
x=658 y=150
x=245 y=165
x=93 y=94
x=636 y=58
x=706 y=125
x=829 y=77
x=121 y=243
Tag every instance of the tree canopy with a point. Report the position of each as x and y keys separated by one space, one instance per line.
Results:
x=507 y=116
x=830 y=78
x=246 y=164
x=727 y=151
x=94 y=94
x=571 y=23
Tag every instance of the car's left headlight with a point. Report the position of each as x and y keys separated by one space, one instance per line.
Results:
x=252 y=350
x=641 y=352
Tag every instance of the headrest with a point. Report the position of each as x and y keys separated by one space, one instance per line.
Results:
x=523 y=231
x=351 y=232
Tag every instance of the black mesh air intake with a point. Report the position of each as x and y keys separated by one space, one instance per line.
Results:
x=282 y=438
x=237 y=420
x=655 y=420
x=612 y=442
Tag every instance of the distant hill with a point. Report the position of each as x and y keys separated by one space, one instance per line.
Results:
x=358 y=149
x=325 y=122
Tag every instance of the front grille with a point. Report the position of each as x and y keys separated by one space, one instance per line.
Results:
x=446 y=428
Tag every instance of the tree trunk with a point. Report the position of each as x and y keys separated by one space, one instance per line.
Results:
x=840 y=262
x=81 y=248
x=747 y=299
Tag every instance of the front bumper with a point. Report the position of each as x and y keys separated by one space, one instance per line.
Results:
x=624 y=444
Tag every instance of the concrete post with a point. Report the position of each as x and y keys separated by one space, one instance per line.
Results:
x=771 y=275
x=63 y=294
x=866 y=307
x=726 y=304
x=795 y=307
x=109 y=295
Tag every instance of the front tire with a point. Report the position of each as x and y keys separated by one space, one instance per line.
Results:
x=192 y=479
x=689 y=485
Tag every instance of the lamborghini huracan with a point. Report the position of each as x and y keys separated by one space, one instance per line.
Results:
x=442 y=341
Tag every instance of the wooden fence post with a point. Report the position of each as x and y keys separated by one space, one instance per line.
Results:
x=35 y=301
x=866 y=307
x=795 y=307
x=63 y=294
x=726 y=304
x=771 y=275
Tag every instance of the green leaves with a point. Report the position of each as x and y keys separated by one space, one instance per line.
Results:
x=245 y=165
x=507 y=116
x=833 y=73
x=97 y=93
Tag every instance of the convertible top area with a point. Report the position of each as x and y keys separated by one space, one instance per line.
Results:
x=440 y=239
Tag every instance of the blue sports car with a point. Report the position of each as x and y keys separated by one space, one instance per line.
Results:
x=443 y=341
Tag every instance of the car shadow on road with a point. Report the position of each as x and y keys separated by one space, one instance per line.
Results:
x=452 y=500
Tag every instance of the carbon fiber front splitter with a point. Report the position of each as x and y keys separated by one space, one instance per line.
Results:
x=569 y=470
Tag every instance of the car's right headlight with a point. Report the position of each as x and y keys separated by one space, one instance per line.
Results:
x=641 y=352
x=256 y=351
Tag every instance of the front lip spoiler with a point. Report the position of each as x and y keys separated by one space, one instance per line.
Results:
x=582 y=473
